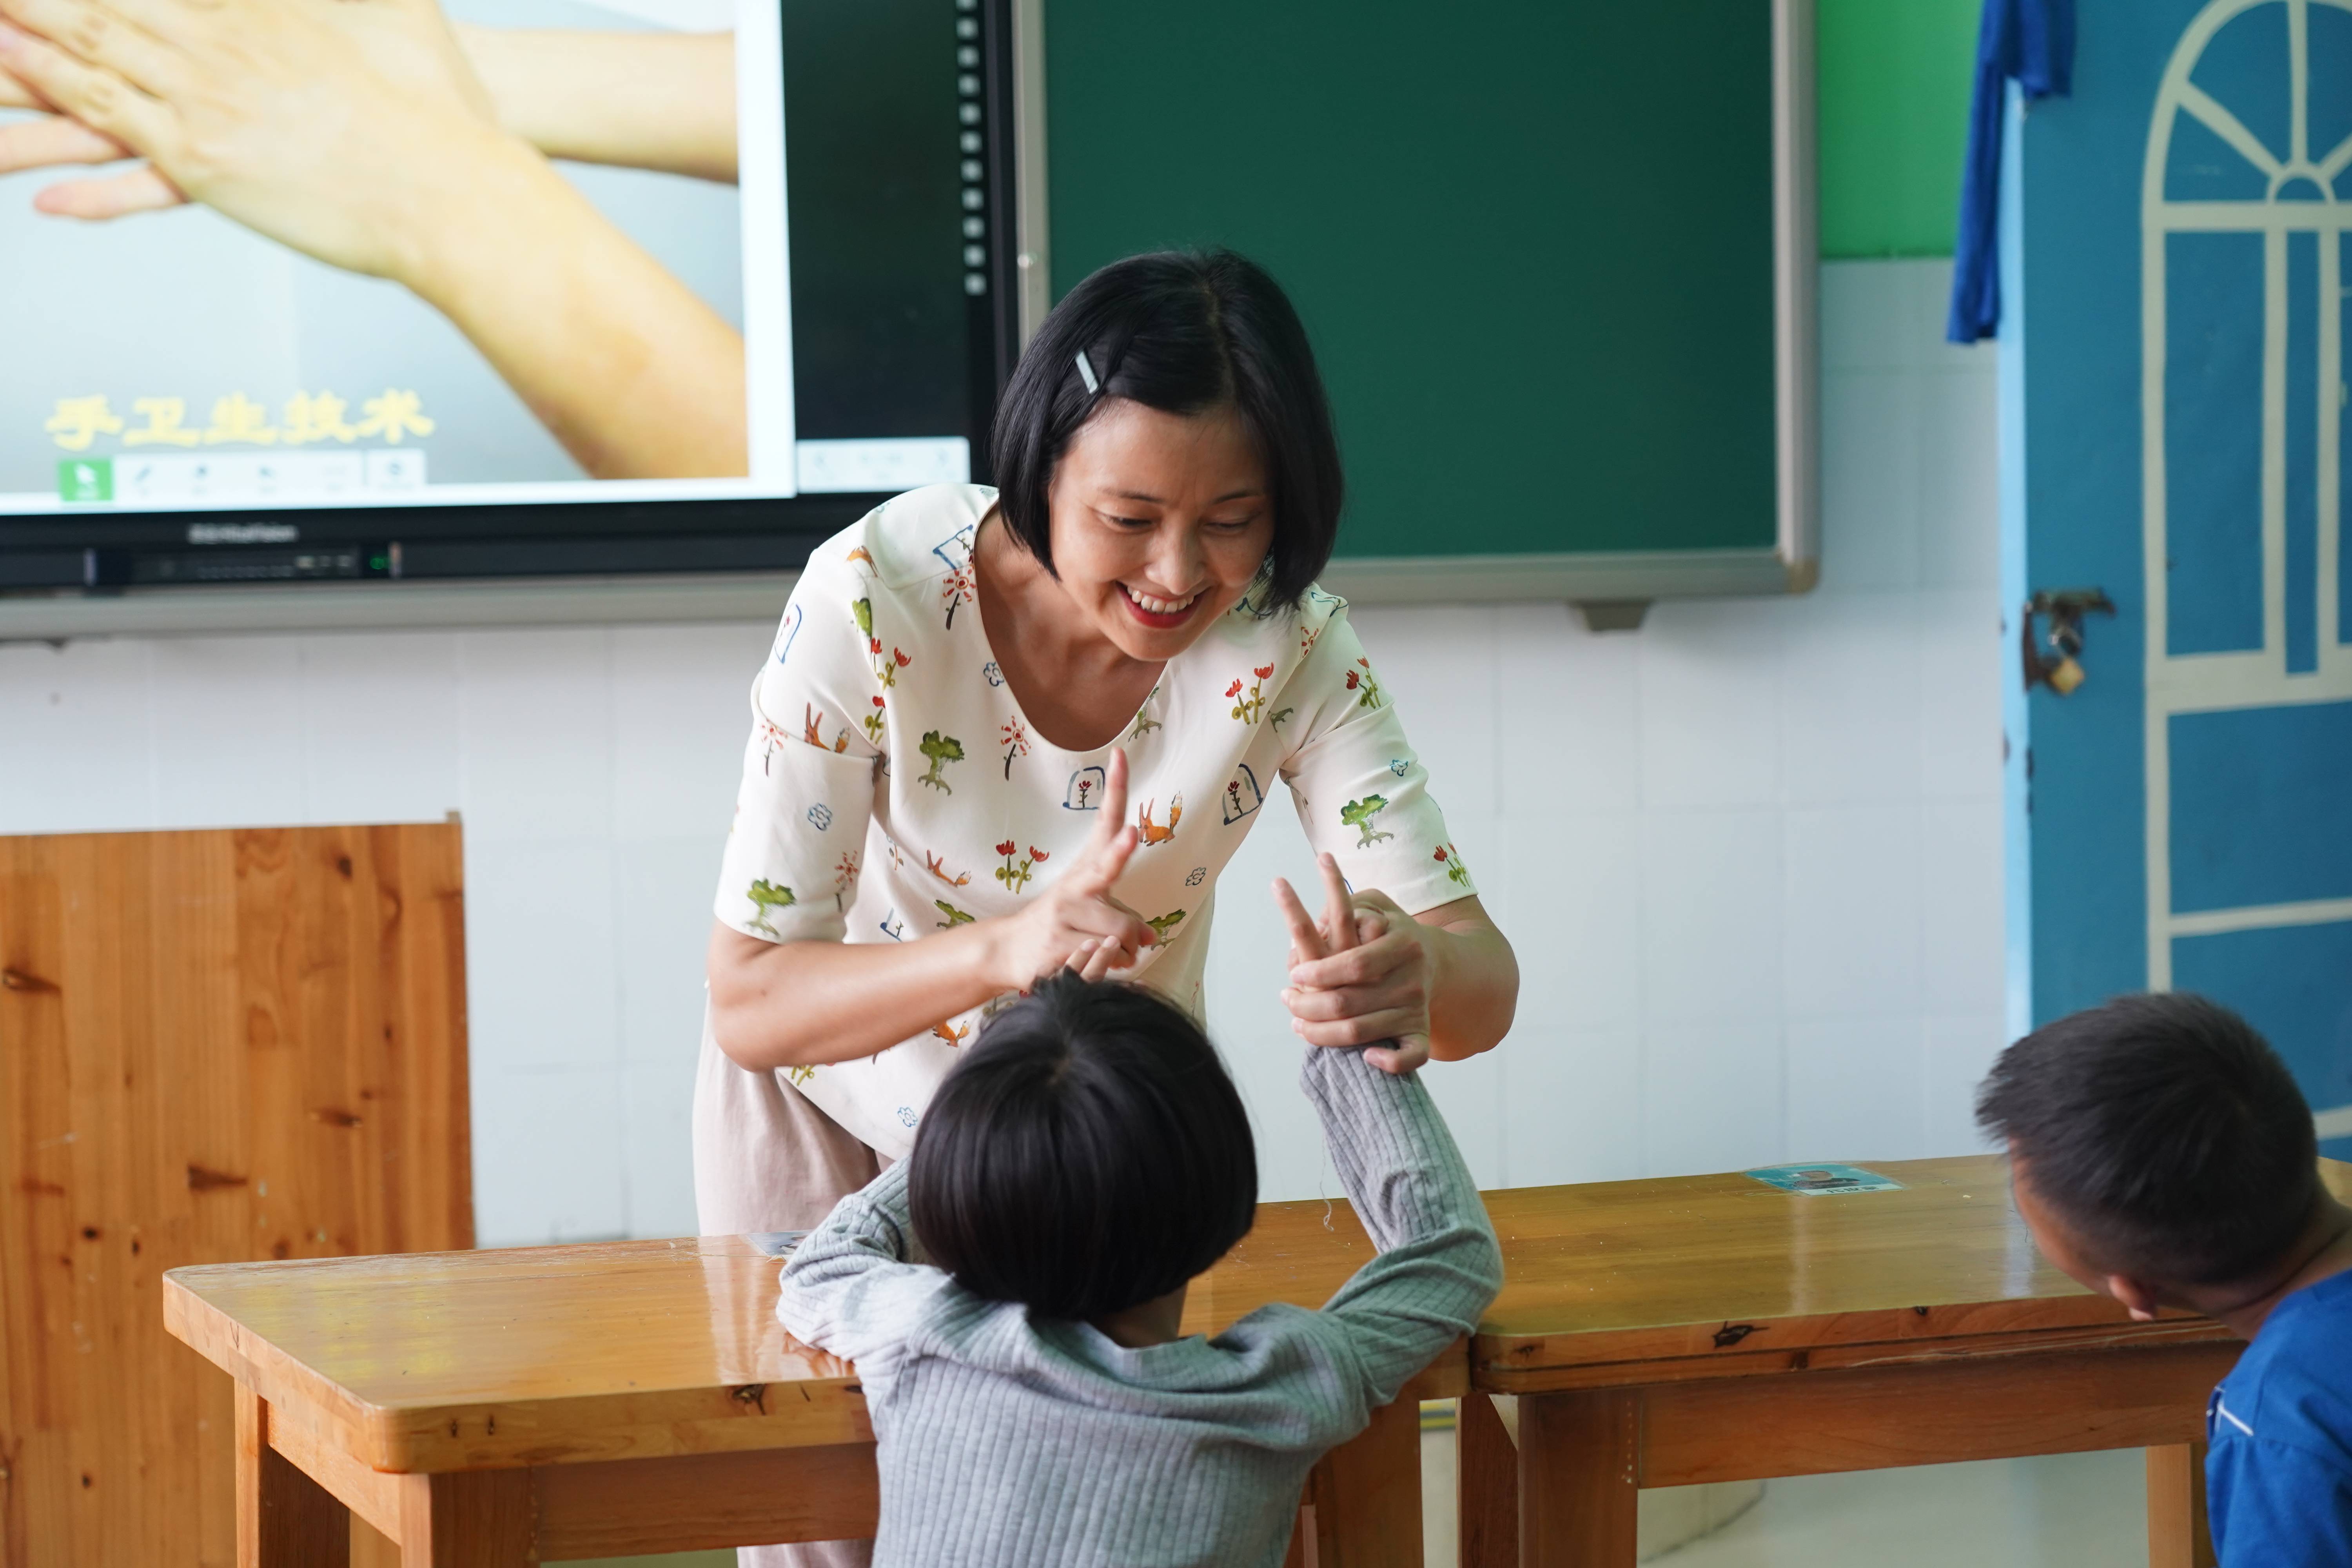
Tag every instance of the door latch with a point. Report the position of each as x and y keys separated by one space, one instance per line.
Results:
x=2054 y=658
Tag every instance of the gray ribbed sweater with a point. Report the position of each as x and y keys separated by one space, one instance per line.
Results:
x=1004 y=1440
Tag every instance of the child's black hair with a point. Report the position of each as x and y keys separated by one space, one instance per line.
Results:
x=2165 y=1131
x=1089 y=1154
x=1181 y=332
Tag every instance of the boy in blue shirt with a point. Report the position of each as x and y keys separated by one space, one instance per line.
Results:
x=2161 y=1155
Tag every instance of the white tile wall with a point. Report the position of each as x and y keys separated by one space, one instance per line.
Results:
x=1748 y=855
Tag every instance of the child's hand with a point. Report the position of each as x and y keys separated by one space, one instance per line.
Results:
x=1362 y=975
x=1094 y=959
x=1076 y=909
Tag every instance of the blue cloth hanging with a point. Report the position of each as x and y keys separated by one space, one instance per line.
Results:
x=2033 y=42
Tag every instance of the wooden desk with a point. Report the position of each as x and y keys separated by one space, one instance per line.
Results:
x=498 y=1408
x=1666 y=1332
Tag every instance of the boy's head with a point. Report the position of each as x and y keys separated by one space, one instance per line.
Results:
x=2156 y=1143
x=1089 y=1154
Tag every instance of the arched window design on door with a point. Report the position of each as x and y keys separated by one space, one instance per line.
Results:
x=2246 y=224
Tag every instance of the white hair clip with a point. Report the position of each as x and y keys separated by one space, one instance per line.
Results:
x=1086 y=374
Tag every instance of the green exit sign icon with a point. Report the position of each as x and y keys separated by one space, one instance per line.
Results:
x=85 y=478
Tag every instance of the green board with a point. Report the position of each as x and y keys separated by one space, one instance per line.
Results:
x=1533 y=241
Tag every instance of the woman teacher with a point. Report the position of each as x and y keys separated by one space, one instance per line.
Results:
x=998 y=726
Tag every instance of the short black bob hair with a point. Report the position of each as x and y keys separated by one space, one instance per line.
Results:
x=1182 y=332
x=2165 y=1132
x=1087 y=1154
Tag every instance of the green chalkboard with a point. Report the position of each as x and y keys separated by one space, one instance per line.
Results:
x=1533 y=240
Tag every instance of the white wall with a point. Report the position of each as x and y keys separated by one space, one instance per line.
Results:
x=1750 y=855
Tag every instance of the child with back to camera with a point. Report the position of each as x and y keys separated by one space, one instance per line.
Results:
x=2161 y=1154
x=1032 y=1401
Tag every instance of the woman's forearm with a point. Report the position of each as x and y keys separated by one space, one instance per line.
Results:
x=633 y=374
x=643 y=100
x=803 y=1004
x=1475 y=991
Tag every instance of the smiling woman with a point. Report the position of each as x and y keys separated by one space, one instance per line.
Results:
x=1139 y=599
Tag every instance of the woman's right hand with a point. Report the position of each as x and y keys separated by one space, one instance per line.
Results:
x=1075 y=910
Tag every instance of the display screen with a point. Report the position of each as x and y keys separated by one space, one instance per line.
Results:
x=532 y=286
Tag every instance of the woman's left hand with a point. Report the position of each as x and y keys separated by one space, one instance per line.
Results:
x=1364 y=977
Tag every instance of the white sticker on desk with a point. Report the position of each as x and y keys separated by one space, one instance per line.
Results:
x=1814 y=1181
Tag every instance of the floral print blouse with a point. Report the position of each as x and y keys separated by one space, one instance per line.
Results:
x=893 y=788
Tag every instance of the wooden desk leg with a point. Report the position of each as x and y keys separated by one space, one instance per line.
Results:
x=1366 y=1494
x=284 y=1518
x=1579 y=1478
x=2178 y=1534
x=1486 y=1486
x=473 y=1519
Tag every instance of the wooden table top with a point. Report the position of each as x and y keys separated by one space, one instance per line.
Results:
x=535 y=1355
x=605 y=1350
x=1701 y=1276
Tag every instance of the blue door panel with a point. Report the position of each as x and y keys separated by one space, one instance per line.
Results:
x=2302 y=454
x=2214 y=440
x=2262 y=806
x=2242 y=66
x=2329 y=39
x=2294 y=984
x=2204 y=168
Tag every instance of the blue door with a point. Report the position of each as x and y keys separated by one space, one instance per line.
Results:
x=2179 y=249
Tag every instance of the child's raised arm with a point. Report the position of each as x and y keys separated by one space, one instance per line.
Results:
x=1438 y=1265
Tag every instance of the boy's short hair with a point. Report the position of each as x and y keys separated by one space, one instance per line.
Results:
x=2165 y=1131
x=1183 y=332
x=1089 y=1154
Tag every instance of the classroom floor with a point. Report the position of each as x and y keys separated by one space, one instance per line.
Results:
x=2073 y=1510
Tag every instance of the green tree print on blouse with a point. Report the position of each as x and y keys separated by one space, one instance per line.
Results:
x=766 y=895
x=956 y=917
x=939 y=749
x=1359 y=814
x=1162 y=924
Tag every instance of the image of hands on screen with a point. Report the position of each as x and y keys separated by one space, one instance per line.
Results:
x=337 y=227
